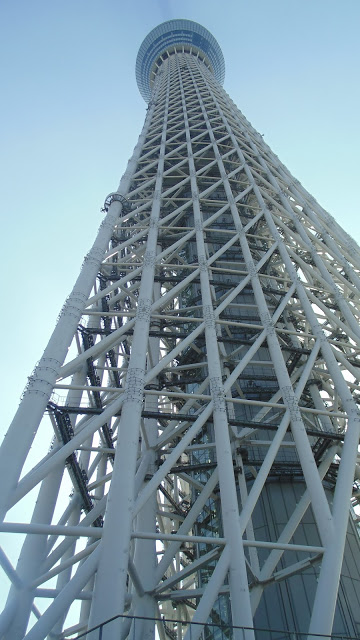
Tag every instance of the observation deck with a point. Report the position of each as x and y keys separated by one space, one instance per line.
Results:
x=171 y=37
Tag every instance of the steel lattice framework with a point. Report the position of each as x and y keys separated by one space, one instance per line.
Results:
x=208 y=353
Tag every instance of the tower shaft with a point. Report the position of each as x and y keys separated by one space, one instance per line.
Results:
x=202 y=388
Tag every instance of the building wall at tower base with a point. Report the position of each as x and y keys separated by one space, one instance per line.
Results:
x=286 y=605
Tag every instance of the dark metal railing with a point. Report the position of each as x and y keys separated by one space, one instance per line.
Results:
x=210 y=631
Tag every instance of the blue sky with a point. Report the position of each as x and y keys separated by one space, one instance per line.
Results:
x=71 y=114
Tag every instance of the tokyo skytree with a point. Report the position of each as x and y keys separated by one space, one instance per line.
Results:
x=184 y=460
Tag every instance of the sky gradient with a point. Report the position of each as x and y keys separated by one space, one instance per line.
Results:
x=71 y=114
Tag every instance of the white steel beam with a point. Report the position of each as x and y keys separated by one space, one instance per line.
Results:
x=201 y=392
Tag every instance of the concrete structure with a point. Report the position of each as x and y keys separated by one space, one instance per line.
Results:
x=201 y=386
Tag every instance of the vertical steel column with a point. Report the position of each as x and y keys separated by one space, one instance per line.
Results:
x=241 y=609
x=110 y=583
x=145 y=550
x=31 y=557
x=41 y=382
x=320 y=504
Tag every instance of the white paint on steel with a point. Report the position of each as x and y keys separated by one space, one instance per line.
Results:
x=158 y=388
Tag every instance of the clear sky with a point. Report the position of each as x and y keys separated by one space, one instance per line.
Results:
x=71 y=114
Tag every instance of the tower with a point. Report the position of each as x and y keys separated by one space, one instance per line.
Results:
x=201 y=386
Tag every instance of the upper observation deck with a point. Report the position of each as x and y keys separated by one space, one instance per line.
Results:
x=169 y=37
